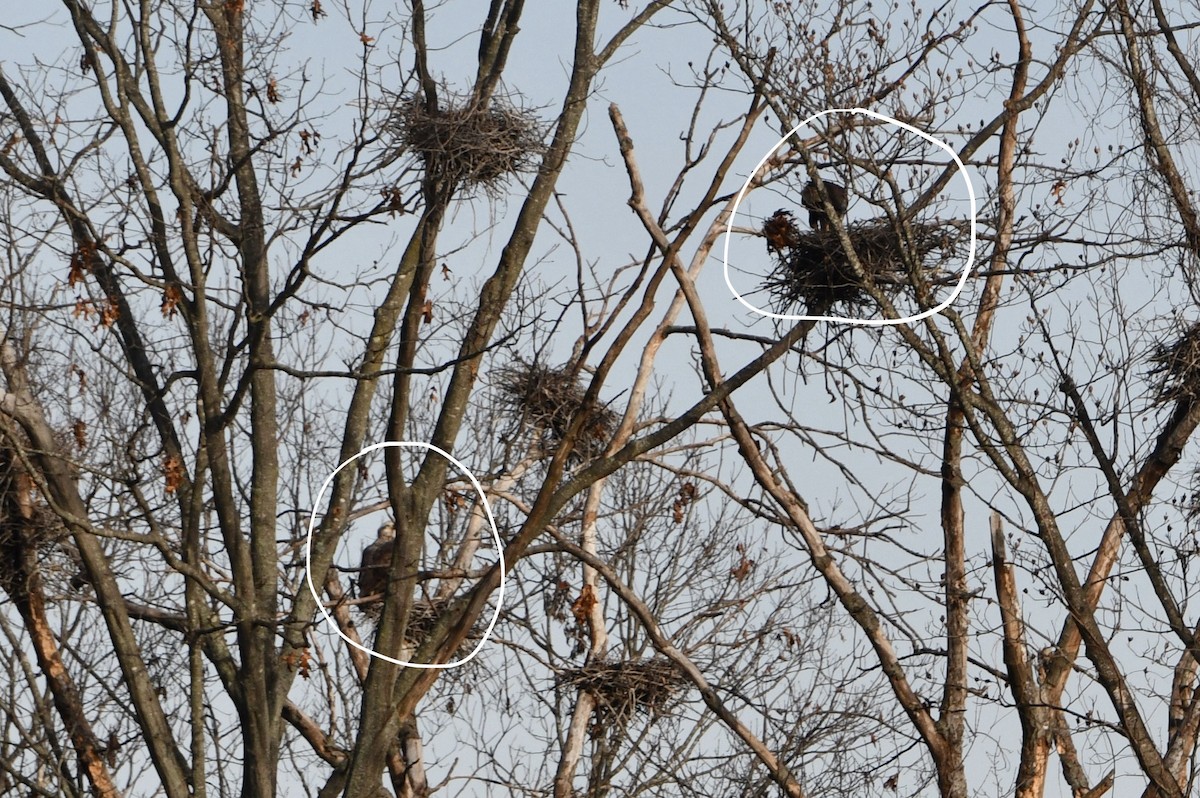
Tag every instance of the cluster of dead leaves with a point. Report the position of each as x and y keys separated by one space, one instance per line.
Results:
x=106 y=313
x=791 y=639
x=299 y=661
x=81 y=262
x=1059 y=189
x=80 y=375
x=172 y=296
x=109 y=314
x=173 y=471
x=309 y=139
x=780 y=231
x=393 y=200
x=740 y=571
x=582 y=610
x=79 y=431
x=686 y=495
x=454 y=500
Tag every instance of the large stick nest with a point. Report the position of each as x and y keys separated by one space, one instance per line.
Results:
x=549 y=399
x=1177 y=366
x=29 y=534
x=813 y=269
x=622 y=689
x=470 y=144
x=422 y=617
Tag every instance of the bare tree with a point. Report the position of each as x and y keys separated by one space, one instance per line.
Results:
x=1058 y=423
x=188 y=177
x=232 y=270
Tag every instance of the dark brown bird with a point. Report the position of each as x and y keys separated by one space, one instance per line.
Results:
x=811 y=199
x=376 y=559
x=780 y=231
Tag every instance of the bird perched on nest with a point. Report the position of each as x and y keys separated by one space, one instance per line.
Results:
x=810 y=198
x=376 y=559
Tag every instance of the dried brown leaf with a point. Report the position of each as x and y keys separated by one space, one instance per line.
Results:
x=81 y=262
x=109 y=314
x=172 y=296
x=582 y=608
x=742 y=569
x=173 y=471
x=79 y=430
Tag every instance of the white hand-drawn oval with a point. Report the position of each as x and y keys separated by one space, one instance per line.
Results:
x=962 y=280
x=495 y=534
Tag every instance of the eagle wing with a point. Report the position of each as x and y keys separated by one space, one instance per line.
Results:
x=373 y=571
x=839 y=198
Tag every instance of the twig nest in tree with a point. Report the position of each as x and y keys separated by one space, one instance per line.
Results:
x=422 y=617
x=549 y=399
x=812 y=269
x=469 y=144
x=1177 y=366
x=623 y=688
x=32 y=538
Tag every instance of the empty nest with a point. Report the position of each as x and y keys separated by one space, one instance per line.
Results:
x=1177 y=366
x=30 y=535
x=622 y=689
x=812 y=268
x=469 y=144
x=549 y=399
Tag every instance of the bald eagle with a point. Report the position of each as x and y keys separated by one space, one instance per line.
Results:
x=376 y=559
x=810 y=199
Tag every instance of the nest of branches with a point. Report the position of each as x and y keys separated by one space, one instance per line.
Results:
x=1177 y=366
x=622 y=689
x=467 y=143
x=27 y=533
x=813 y=269
x=549 y=399
x=421 y=619
x=13 y=540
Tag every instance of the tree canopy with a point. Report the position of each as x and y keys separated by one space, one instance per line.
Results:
x=915 y=516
